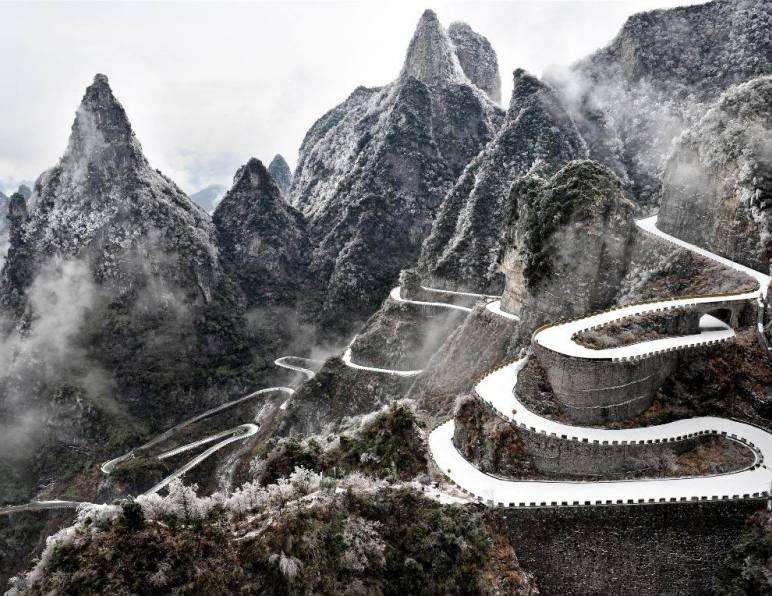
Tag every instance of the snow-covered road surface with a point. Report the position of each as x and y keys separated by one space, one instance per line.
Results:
x=108 y=466
x=560 y=337
x=497 y=390
x=495 y=308
x=40 y=506
x=287 y=362
x=524 y=493
x=396 y=295
x=235 y=434
x=649 y=225
x=386 y=371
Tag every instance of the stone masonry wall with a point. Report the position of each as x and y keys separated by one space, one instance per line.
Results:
x=515 y=451
x=597 y=391
x=670 y=549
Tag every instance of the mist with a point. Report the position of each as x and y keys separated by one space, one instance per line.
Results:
x=43 y=352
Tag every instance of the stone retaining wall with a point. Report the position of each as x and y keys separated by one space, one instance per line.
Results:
x=563 y=457
x=669 y=549
x=602 y=391
x=598 y=391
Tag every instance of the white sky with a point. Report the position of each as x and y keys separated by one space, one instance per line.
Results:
x=208 y=85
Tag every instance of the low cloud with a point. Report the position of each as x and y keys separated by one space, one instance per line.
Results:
x=43 y=351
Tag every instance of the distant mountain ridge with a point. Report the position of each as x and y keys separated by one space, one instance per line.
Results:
x=207 y=198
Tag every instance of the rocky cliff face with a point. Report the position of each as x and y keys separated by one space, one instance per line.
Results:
x=280 y=172
x=372 y=171
x=717 y=186
x=568 y=244
x=632 y=98
x=4 y=201
x=25 y=192
x=262 y=238
x=537 y=137
x=477 y=59
x=115 y=307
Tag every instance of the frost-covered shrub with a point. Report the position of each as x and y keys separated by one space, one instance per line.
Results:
x=90 y=519
x=364 y=544
x=383 y=443
x=181 y=502
x=289 y=566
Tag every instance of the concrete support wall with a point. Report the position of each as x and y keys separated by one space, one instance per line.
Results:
x=598 y=391
x=553 y=455
x=673 y=549
x=564 y=457
x=601 y=391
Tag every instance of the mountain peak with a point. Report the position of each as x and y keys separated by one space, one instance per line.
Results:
x=101 y=134
x=431 y=57
x=252 y=175
x=280 y=172
x=477 y=58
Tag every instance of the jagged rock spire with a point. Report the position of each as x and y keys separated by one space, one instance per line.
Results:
x=280 y=172
x=262 y=238
x=477 y=58
x=252 y=176
x=537 y=136
x=101 y=135
x=430 y=56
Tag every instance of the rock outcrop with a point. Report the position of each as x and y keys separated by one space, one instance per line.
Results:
x=477 y=58
x=568 y=244
x=372 y=171
x=24 y=191
x=4 y=201
x=537 y=137
x=657 y=77
x=262 y=238
x=281 y=174
x=717 y=186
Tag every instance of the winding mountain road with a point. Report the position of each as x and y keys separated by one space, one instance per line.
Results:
x=230 y=436
x=396 y=295
x=223 y=439
x=497 y=390
x=287 y=362
x=108 y=466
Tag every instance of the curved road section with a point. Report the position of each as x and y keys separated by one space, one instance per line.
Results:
x=497 y=390
x=108 y=466
x=293 y=363
x=396 y=295
x=224 y=438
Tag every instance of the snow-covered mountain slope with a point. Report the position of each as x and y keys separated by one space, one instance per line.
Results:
x=632 y=98
x=262 y=238
x=537 y=137
x=717 y=185
x=115 y=304
x=372 y=171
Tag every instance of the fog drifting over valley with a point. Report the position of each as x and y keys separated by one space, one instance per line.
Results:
x=209 y=85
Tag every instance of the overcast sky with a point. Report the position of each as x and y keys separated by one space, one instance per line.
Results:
x=207 y=85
